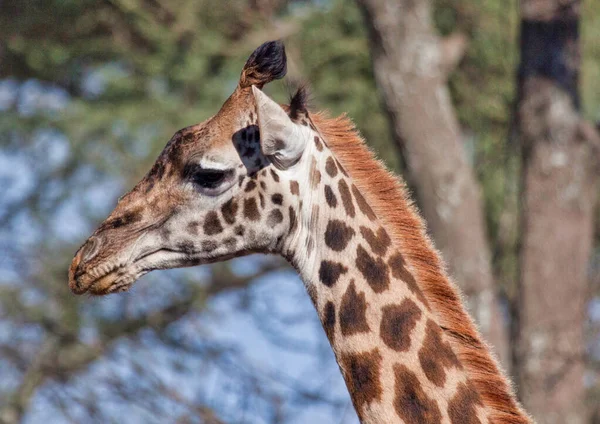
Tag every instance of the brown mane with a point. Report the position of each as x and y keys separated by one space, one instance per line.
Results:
x=388 y=197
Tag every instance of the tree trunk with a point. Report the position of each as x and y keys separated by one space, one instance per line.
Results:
x=558 y=199
x=411 y=64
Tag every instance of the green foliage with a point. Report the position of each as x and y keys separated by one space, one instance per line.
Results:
x=484 y=93
x=483 y=90
x=334 y=57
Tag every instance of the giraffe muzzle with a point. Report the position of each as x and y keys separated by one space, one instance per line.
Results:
x=103 y=266
x=80 y=277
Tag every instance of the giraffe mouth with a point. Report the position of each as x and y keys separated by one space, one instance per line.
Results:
x=103 y=280
x=119 y=277
x=113 y=282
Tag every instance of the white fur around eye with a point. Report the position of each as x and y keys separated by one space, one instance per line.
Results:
x=207 y=163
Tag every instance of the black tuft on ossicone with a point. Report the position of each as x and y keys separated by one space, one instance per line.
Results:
x=267 y=63
x=298 y=103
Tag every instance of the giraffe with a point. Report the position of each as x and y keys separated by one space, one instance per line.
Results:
x=270 y=178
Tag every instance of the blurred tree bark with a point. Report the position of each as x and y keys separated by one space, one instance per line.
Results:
x=559 y=187
x=411 y=65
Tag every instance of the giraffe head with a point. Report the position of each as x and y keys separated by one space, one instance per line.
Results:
x=220 y=189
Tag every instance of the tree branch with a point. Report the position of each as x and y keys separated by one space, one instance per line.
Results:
x=453 y=48
x=61 y=357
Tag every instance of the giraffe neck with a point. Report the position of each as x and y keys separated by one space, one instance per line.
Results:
x=393 y=354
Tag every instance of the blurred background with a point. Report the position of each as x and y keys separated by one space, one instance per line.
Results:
x=488 y=109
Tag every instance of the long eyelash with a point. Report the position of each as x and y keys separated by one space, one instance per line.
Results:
x=189 y=170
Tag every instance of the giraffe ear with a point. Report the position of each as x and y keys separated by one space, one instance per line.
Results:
x=281 y=140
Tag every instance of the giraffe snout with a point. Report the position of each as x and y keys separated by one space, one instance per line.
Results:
x=90 y=249
x=84 y=255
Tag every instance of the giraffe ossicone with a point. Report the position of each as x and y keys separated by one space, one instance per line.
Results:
x=261 y=177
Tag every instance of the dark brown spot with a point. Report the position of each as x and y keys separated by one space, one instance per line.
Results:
x=330 y=197
x=212 y=224
x=330 y=167
x=275 y=217
x=251 y=209
x=316 y=179
x=462 y=408
x=329 y=320
x=362 y=374
x=193 y=227
x=275 y=176
x=186 y=247
x=375 y=271
x=189 y=138
x=229 y=210
x=315 y=174
x=346 y=198
x=239 y=231
x=329 y=272
x=397 y=322
x=411 y=402
x=277 y=199
x=263 y=185
x=318 y=143
x=262 y=200
x=362 y=204
x=436 y=355
x=293 y=219
x=311 y=290
x=209 y=245
x=294 y=187
x=337 y=235
x=353 y=311
x=399 y=271
x=230 y=242
x=379 y=242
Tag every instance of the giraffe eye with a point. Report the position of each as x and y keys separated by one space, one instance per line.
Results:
x=211 y=182
x=208 y=178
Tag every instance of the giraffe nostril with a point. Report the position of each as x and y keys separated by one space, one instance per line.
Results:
x=90 y=249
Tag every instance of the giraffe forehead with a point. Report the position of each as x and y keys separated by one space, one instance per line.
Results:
x=218 y=131
x=209 y=145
